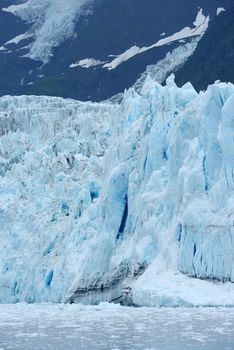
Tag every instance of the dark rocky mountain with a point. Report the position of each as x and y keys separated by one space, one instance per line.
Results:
x=49 y=50
x=213 y=59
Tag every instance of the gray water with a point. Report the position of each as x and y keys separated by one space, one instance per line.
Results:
x=75 y=327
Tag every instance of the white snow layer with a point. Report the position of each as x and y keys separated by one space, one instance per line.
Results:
x=94 y=194
x=87 y=63
x=200 y=26
x=14 y=9
x=16 y=40
x=181 y=53
x=220 y=10
x=171 y=63
x=53 y=21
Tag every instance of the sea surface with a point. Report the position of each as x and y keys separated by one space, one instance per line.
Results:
x=112 y=327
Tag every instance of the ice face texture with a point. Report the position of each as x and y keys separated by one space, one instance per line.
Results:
x=95 y=195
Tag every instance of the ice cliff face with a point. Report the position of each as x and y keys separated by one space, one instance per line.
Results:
x=107 y=201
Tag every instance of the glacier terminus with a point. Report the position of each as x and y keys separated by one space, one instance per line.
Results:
x=129 y=202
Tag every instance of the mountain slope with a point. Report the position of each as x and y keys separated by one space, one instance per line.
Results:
x=91 y=49
x=214 y=56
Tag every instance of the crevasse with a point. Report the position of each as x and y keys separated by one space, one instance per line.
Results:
x=130 y=202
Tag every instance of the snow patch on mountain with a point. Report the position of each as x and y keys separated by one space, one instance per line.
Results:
x=16 y=40
x=87 y=63
x=180 y=55
x=14 y=9
x=53 y=21
x=220 y=10
x=200 y=26
x=173 y=61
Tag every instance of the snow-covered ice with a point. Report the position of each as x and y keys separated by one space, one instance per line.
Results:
x=137 y=197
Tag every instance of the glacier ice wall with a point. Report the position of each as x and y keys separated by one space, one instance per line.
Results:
x=95 y=196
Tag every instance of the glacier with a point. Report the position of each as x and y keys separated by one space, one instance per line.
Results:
x=171 y=63
x=130 y=202
x=53 y=21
